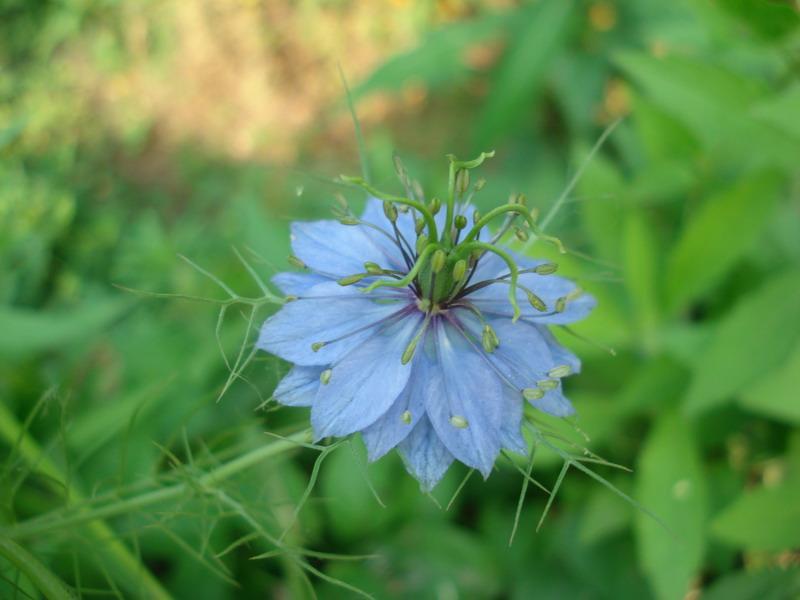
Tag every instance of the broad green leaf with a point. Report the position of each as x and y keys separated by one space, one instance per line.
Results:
x=717 y=235
x=524 y=66
x=781 y=110
x=777 y=395
x=749 y=342
x=714 y=104
x=773 y=583
x=764 y=519
x=27 y=331
x=670 y=483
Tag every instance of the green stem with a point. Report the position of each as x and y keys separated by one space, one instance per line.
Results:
x=512 y=266
x=451 y=201
x=136 y=576
x=429 y=249
x=61 y=520
x=486 y=219
x=40 y=576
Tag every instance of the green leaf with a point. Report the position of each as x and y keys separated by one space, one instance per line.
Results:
x=524 y=66
x=671 y=484
x=764 y=519
x=714 y=103
x=717 y=235
x=27 y=331
x=641 y=268
x=776 y=394
x=754 y=338
x=769 y=584
x=44 y=579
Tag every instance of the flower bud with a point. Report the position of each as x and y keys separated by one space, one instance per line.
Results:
x=460 y=221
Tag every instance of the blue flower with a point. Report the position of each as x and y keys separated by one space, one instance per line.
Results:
x=414 y=329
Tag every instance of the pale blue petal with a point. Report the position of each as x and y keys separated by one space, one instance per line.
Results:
x=561 y=355
x=465 y=387
x=391 y=429
x=373 y=214
x=326 y=312
x=297 y=284
x=365 y=383
x=555 y=403
x=331 y=248
x=299 y=386
x=425 y=456
x=511 y=427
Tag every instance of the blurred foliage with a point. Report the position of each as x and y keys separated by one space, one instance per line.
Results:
x=124 y=474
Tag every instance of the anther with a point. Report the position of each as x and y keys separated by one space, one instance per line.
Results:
x=489 y=339
x=325 y=376
x=533 y=393
x=422 y=241
x=559 y=371
x=290 y=298
x=545 y=269
x=536 y=302
x=349 y=220
x=406 y=417
x=419 y=225
x=435 y=206
x=561 y=304
x=342 y=202
x=373 y=268
x=317 y=346
x=480 y=184
x=534 y=213
x=296 y=262
x=438 y=260
x=459 y=422
x=462 y=181
x=521 y=234
x=459 y=270
x=476 y=216
x=351 y=279
x=418 y=192
x=547 y=384
x=390 y=210
x=408 y=353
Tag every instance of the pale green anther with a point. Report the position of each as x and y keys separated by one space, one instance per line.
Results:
x=325 y=376
x=408 y=353
x=522 y=199
x=422 y=241
x=480 y=184
x=534 y=213
x=521 y=234
x=317 y=346
x=438 y=261
x=435 y=206
x=559 y=371
x=418 y=191
x=533 y=393
x=419 y=225
x=459 y=422
x=489 y=339
x=290 y=298
x=351 y=279
x=476 y=216
x=296 y=262
x=561 y=304
x=349 y=220
x=406 y=417
x=341 y=201
x=536 y=302
x=460 y=221
x=403 y=208
x=372 y=268
x=545 y=269
x=390 y=210
x=400 y=169
x=547 y=384
x=462 y=181
x=459 y=270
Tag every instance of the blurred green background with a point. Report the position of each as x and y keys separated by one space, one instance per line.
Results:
x=132 y=132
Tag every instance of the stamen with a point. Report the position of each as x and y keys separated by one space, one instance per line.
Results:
x=406 y=417
x=438 y=260
x=489 y=339
x=351 y=279
x=325 y=376
x=533 y=393
x=459 y=270
x=559 y=371
x=547 y=384
x=296 y=262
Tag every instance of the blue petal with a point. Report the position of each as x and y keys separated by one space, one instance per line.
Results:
x=333 y=249
x=425 y=456
x=389 y=430
x=465 y=387
x=374 y=215
x=326 y=312
x=511 y=427
x=299 y=386
x=365 y=383
x=561 y=355
x=296 y=284
x=555 y=403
